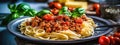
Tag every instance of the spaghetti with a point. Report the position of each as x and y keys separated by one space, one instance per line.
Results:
x=64 y=28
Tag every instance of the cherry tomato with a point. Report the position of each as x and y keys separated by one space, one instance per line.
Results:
x=96 y=7
x=58 y=5
x=112 y=41
x=117 y=40
x=116 y=34
x=48 y=17
x=103 y=40
x=55 y=5
x=54 y=11
x=79 y=20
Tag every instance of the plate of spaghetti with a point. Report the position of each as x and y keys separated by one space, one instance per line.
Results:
x=63 y=27
x=57 y=29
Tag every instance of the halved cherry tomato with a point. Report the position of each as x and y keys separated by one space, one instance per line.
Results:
x=79 y=20
x=103 y=40
x=54 y=11
x=48 y=17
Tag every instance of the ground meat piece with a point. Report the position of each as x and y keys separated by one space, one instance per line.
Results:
x=48 y=29
x=72 y=28
x=53 y=29
x=84 y=17
x=56 y=25
x=45 y=21
x=41 y=27
x=27 y=23
x=47 y=24
x=42 y=24
x=34 y=24
x=52 y=22
x=33 y=19
x=78 y=29
x=59 y=17
x=66 y=18
x=72 y=24
x=58 y=28
x=37 y=18
x=65 y=27
x=78 y=24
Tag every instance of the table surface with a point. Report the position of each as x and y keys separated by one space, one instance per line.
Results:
x=6 y=38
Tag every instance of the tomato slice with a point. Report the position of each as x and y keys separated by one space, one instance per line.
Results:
x=79 y=20
x=48 y=17
x=103 y=40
